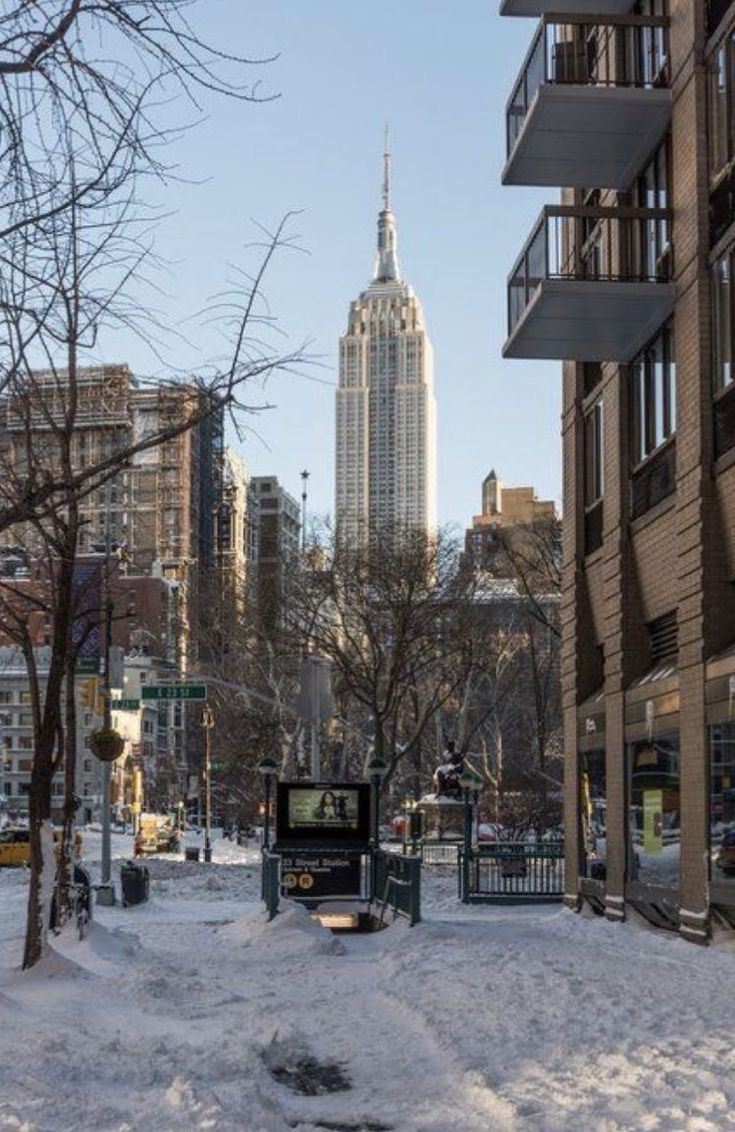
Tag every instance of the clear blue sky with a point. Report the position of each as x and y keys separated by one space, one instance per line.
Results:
x=440 y=74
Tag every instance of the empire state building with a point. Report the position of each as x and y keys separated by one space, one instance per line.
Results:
x=386 y=411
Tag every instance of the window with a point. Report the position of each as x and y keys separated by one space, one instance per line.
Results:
x=722 y=805
x=654 y=396
x=593 y=455
x=652 y=191
x=591 y=376
x=716 y=12
x=722 y=107
x=592 y=804
x=654 y=813
x=722 y=320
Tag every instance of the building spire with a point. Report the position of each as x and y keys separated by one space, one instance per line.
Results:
x=386 y=260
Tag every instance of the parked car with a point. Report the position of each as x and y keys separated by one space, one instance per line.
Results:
x=489 y=831
x=15 y=846
x=725 y=858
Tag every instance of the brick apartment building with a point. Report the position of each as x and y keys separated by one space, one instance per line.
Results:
x=629 y=282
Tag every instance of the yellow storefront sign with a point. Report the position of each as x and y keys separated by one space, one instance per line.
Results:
x=653 y=821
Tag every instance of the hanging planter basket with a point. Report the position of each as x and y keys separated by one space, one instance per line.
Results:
x=107 y=745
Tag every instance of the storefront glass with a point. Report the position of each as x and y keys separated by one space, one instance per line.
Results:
x=592 y=824
x=722 y=804
x=654 y=812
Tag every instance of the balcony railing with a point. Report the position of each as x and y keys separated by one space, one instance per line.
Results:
x=589 y=282
x=593 y=244
x=582 y=67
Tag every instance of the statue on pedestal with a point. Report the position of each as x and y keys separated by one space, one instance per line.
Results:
x=447 y=776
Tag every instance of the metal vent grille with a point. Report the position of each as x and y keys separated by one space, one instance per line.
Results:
x=663 y=637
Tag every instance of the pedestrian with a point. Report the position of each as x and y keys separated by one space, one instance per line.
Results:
x=138 y=844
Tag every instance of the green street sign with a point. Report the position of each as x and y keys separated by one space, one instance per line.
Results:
x=124 y=705
x=174 y=691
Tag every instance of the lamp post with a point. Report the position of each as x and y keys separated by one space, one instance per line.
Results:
x=471 y=782
x=106 y=890
x=268 y=767
x=207 y=724
x=5 y=721
x=377 y=769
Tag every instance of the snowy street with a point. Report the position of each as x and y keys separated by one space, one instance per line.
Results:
x=191 y=1012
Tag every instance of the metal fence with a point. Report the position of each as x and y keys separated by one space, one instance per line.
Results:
x=512 y=872
x=429 y=852
x=398 y=884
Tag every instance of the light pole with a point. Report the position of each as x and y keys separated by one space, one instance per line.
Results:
x=207 y=724
x=377 y=769
x=5 y=720
x=268 y=767
x=471 y=782
x=106 y=890
x=304 y=483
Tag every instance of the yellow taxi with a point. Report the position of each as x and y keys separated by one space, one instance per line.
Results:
x=15 y=846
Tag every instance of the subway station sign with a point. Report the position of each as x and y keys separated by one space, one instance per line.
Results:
x=320 y=874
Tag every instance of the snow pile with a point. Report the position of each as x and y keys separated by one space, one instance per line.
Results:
x=192 y=1012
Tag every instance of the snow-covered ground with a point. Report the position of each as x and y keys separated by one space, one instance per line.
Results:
x=191 y=1012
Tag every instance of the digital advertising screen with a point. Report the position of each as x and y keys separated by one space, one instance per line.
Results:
x=323 y=811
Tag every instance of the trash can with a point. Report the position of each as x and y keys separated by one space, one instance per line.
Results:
x=191 y=853
x=135 y=883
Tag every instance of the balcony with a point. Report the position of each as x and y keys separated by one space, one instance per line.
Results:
x=591 y=104
x=591 y=284
x=561 y=7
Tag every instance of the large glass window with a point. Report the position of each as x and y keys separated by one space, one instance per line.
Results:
x=652 y=191
x=592 y=823
x=722 y=320
x=654 y=395
x=722 y=107
x=593 y=455
x=654 y=812
x=722 y=803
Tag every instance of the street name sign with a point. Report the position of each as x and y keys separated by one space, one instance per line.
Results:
x=174 y=691
x=124 y=705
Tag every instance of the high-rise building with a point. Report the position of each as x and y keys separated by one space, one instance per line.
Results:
x=512 y=509
x=386 y=412
x=628 y=281
x=277 y=520
x=157 y=514
x=160 y=509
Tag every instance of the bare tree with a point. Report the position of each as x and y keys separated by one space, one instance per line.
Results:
x=530 y=559
x=82 y=86
x=530 y=554
x=398 y=620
